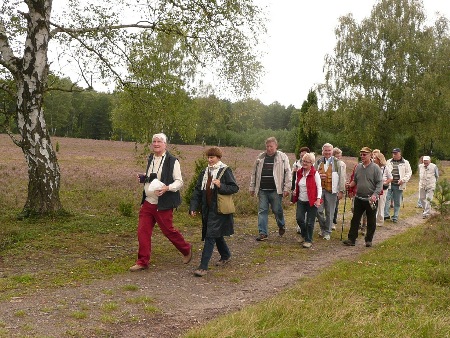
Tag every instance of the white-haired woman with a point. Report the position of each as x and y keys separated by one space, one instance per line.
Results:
x=308 y=192
x=379 y=159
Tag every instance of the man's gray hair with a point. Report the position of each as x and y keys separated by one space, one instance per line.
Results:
x=160 y=136
x=327 y=145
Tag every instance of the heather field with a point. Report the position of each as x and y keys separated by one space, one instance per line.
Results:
x=67 y=276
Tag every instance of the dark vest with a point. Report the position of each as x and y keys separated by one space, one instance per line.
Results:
x=170 y=199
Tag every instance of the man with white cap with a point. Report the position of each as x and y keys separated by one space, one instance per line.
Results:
x=158 y=202
x=401 y=173
x=428 y=175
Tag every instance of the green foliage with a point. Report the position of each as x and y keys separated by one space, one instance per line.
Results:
x=442 y=196
x=410 y=152
x=388 y=77
x=308 y=128
x=200 y=164
x=126 y=208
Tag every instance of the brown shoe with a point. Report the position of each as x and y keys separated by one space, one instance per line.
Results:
x=200 y=273
x=138 y=267
x=223 y=262
x=188 y=257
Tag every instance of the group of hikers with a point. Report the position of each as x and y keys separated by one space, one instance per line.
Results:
x=315 y=184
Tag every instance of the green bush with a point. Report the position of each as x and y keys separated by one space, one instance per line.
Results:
x=200 y=164
x=126 y=208
x=442 y=196
x=410 y=152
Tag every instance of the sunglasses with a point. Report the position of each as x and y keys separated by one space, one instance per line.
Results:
x=363 y=154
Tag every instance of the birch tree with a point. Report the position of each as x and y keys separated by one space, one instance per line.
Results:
x=93 y=37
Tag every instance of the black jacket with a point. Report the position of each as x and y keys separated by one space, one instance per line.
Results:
x=170 y=199
x=214 y=224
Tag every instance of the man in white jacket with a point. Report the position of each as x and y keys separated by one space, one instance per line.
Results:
x=270 y=181
x=427 y=183
x=401 y=172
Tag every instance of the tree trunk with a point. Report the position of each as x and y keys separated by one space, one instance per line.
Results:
x=43 y=168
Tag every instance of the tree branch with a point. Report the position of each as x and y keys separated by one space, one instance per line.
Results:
x=74 y=31
x=7 y=58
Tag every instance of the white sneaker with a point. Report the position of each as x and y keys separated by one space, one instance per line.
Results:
x=298 y=230
x=327 y=237
x=333 y=227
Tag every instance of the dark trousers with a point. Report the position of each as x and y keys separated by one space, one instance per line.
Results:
x=358 y=210
x=208 y=249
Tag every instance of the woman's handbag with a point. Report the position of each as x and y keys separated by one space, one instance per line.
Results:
x=225 y=204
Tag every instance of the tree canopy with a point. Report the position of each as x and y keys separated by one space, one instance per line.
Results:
x=97 y=38
x=388 y=76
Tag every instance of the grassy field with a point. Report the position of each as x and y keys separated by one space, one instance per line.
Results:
x=401 y=287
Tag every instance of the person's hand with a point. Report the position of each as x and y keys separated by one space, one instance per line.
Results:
x=317 y=203
x=340 y=195
x=373 y=198
x=252 y=193
x=400 y=182
x=216 y=182
x=286 y=193
x=161 y=191
x=193 y=213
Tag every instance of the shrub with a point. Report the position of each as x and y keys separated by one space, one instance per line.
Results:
x=126 y=208
x=200 y=164
x=442 y=196
x=410 y=152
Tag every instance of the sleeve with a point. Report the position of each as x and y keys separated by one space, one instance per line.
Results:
x=436 y=172
x=253 y=176
x=287 y=174
x=408 y=172
x=196 y=197
x=177 y=178
x=342 y=176
x=378 y=181
x=318 y=184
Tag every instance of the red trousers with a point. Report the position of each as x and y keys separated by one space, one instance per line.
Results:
x=148 y=216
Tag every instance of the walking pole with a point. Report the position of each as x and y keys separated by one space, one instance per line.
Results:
x=343 y=214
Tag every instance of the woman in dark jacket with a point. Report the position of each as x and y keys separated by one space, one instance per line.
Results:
x=214 y=225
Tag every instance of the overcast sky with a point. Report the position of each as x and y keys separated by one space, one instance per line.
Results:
x=300 y=34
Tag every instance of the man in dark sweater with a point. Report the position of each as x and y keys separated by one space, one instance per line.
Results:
x=368 y=179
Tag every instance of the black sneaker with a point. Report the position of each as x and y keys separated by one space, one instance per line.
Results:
x=348 y=242
x=281 y=231
x=261 y=238
x=387 y=217
x=368 y=244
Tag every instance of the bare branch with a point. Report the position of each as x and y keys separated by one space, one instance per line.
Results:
x=73 y=31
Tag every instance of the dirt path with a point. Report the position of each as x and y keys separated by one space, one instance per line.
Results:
x=114 y=308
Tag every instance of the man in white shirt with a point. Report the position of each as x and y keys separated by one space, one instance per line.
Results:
x=427 y=184
x=157 y=205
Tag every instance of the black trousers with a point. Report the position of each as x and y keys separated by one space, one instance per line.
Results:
x=358 y=210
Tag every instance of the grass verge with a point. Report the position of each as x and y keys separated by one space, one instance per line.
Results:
x=399 y=289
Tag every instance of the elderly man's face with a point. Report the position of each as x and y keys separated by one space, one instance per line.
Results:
x=397 y=155
x=426 y=163
x=271 y=148
x=327 y=152
x=159 y=146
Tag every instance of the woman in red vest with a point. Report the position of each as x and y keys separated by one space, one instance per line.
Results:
x=308 y=192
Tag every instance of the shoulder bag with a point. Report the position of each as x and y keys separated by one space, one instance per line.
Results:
x=225 y=204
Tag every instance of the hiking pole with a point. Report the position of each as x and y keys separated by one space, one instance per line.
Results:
x=343 y=214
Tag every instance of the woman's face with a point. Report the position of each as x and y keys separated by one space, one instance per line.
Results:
x=212 y=160
x=306 y=164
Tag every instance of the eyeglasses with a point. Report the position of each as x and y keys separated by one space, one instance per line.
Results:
x=306 y=162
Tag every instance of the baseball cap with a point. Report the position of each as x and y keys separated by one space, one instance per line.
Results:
x=396 y=150
x=365 y=150
x=426 y=158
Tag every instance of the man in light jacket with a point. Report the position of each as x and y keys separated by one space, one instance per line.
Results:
x=333 y=185
x=427 y=183
x=270 y=181
x=401 y=173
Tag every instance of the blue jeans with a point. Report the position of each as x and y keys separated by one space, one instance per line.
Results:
x=396 y=194
x=271 y=197
x=208 y=249
x=306 y=224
